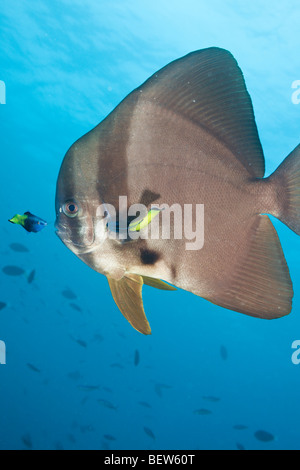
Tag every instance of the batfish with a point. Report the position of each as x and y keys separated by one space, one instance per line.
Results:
x=185 y=137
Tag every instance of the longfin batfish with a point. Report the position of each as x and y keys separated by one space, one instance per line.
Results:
x=187 y=136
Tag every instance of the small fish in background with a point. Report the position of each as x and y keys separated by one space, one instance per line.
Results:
x=263 y=436
x=87 y=428
x=223 y=353
x=19 y=248
x=149 y=432
x=211 y=399
x=26 y=439
x=117 y=365
x=98 y=338
x=105 y=445
x=58 y=446
x=240 y=446
x=30 y=222
x=31 y=276
x=84 y=400
x=145 y=404
x=109 y=437
x=136 y=357
x=81 y=342
x=158 y=387
x=13 y=270
x=75 y=307
x=74 y=375
x=69 y=294
x=108 y=404
x=240 y=427
x=203 y=412
x=2 y=305
x=88 y=388
x=33 y=368
x=71 y=438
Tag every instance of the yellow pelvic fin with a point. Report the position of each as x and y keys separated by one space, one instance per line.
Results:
x=127 y=293
x=157 y=283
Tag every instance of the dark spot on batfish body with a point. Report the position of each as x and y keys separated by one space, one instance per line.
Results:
x=263 y=436
x=174 y=271
x=18 y=247
x=13 y=271
x=148 y=197
x=2 y=305
x=149 y=256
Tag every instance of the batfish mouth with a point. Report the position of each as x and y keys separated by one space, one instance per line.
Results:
x=80 y=236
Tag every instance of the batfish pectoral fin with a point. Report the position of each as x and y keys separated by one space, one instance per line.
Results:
x=157 y=283
x=260 y=285
x=127 y=293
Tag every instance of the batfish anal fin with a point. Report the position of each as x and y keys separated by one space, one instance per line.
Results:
x=127 y=293
x=261 y=285
x=208 y=88
x=157 y=283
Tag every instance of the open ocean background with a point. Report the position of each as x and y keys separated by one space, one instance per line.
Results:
x=80 y=377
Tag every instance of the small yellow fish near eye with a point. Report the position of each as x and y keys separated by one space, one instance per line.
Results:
x=140 y=224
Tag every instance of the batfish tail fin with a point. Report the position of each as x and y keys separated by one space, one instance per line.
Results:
x=287 y=186
x=260 y=284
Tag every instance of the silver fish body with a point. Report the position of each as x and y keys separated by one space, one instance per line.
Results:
x=186 y=137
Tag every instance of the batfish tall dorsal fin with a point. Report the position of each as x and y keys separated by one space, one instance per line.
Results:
x=127 y=293
x=208 y=88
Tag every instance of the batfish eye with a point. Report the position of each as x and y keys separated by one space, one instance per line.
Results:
x=70 y=209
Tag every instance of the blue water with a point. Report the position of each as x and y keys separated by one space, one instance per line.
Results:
x=66 y=64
